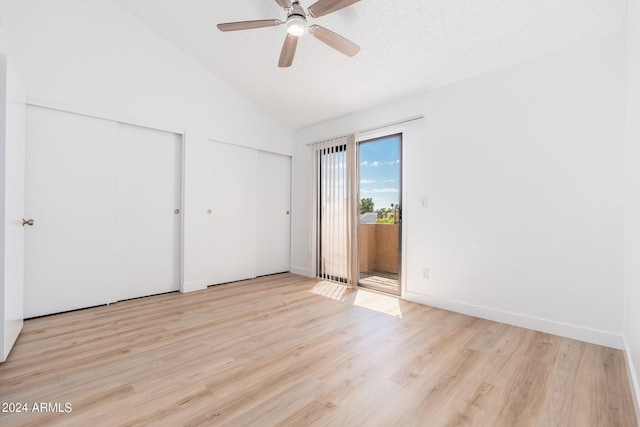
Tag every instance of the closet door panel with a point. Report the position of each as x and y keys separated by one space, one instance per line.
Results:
x=71 y=194
x=149 y=212
x=273 y=214
x=12 y=187
x=231 y=213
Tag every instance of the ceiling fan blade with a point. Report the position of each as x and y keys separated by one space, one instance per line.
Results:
x=334 y=40
x=325 y=7
x=285 y=4
x=288 y=51
x=248 y=25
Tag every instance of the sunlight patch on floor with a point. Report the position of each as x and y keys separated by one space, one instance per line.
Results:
x=331 y=290
x=377 y=302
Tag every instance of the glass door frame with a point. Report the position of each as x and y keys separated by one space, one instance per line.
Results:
x=399 y=134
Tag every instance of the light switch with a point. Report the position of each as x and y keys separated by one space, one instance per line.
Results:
x=423 y=202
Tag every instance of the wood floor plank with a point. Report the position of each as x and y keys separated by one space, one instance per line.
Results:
x=293 y=351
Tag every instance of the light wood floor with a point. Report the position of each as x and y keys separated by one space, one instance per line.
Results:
x=286 y=350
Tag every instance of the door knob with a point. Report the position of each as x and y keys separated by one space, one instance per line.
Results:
x=28 y=222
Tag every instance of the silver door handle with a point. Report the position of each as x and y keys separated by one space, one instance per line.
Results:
x=28 y=222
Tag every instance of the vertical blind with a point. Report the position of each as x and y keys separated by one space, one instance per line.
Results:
x=336 y=209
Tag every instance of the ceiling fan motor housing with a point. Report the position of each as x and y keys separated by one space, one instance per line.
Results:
x=297 y=10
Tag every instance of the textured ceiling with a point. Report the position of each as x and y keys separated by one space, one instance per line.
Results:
x=406 y=46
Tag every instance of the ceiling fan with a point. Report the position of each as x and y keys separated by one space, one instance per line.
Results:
x=297 y=26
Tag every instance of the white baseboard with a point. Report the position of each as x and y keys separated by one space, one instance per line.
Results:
x=197 y=285
x=633 y=379
x=301 y=271
x=567 y=330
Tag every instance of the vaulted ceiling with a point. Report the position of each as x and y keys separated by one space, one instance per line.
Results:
x=406 y=46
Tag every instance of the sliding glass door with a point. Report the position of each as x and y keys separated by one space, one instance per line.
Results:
x=379 y=231
x=358 y=212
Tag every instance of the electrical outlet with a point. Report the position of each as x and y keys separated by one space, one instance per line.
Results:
x=425 y=273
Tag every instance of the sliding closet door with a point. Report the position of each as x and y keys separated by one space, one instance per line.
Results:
x=71 y=194
x=149 y=212
x=103 y=197
x=273 y=213
x=12 y=230
x=231 y=187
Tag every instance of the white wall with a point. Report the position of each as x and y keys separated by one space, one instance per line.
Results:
x=94 y=58
x=2 y=29
x=632 y=278
x=524 y=172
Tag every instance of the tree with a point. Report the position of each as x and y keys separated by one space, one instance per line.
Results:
x=366 y=205
x=384 y=212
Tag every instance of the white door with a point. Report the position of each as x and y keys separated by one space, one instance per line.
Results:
x=231 y=213
x=71 y=194
x=273 y=214
x=12 y=143
x=149 y=212
x=103 y=196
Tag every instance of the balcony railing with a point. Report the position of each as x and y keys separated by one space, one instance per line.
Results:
x=379 y=247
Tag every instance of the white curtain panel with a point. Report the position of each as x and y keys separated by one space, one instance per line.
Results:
x=336 y=209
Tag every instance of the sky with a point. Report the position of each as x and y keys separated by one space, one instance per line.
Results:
x=380 y=171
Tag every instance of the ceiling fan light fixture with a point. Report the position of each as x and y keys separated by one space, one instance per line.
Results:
x=297 y=25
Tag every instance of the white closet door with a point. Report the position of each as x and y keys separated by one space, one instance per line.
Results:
x=231 y=225
x=71 y=194
x=149 y=229
x=12 y=162
x=273 y=214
